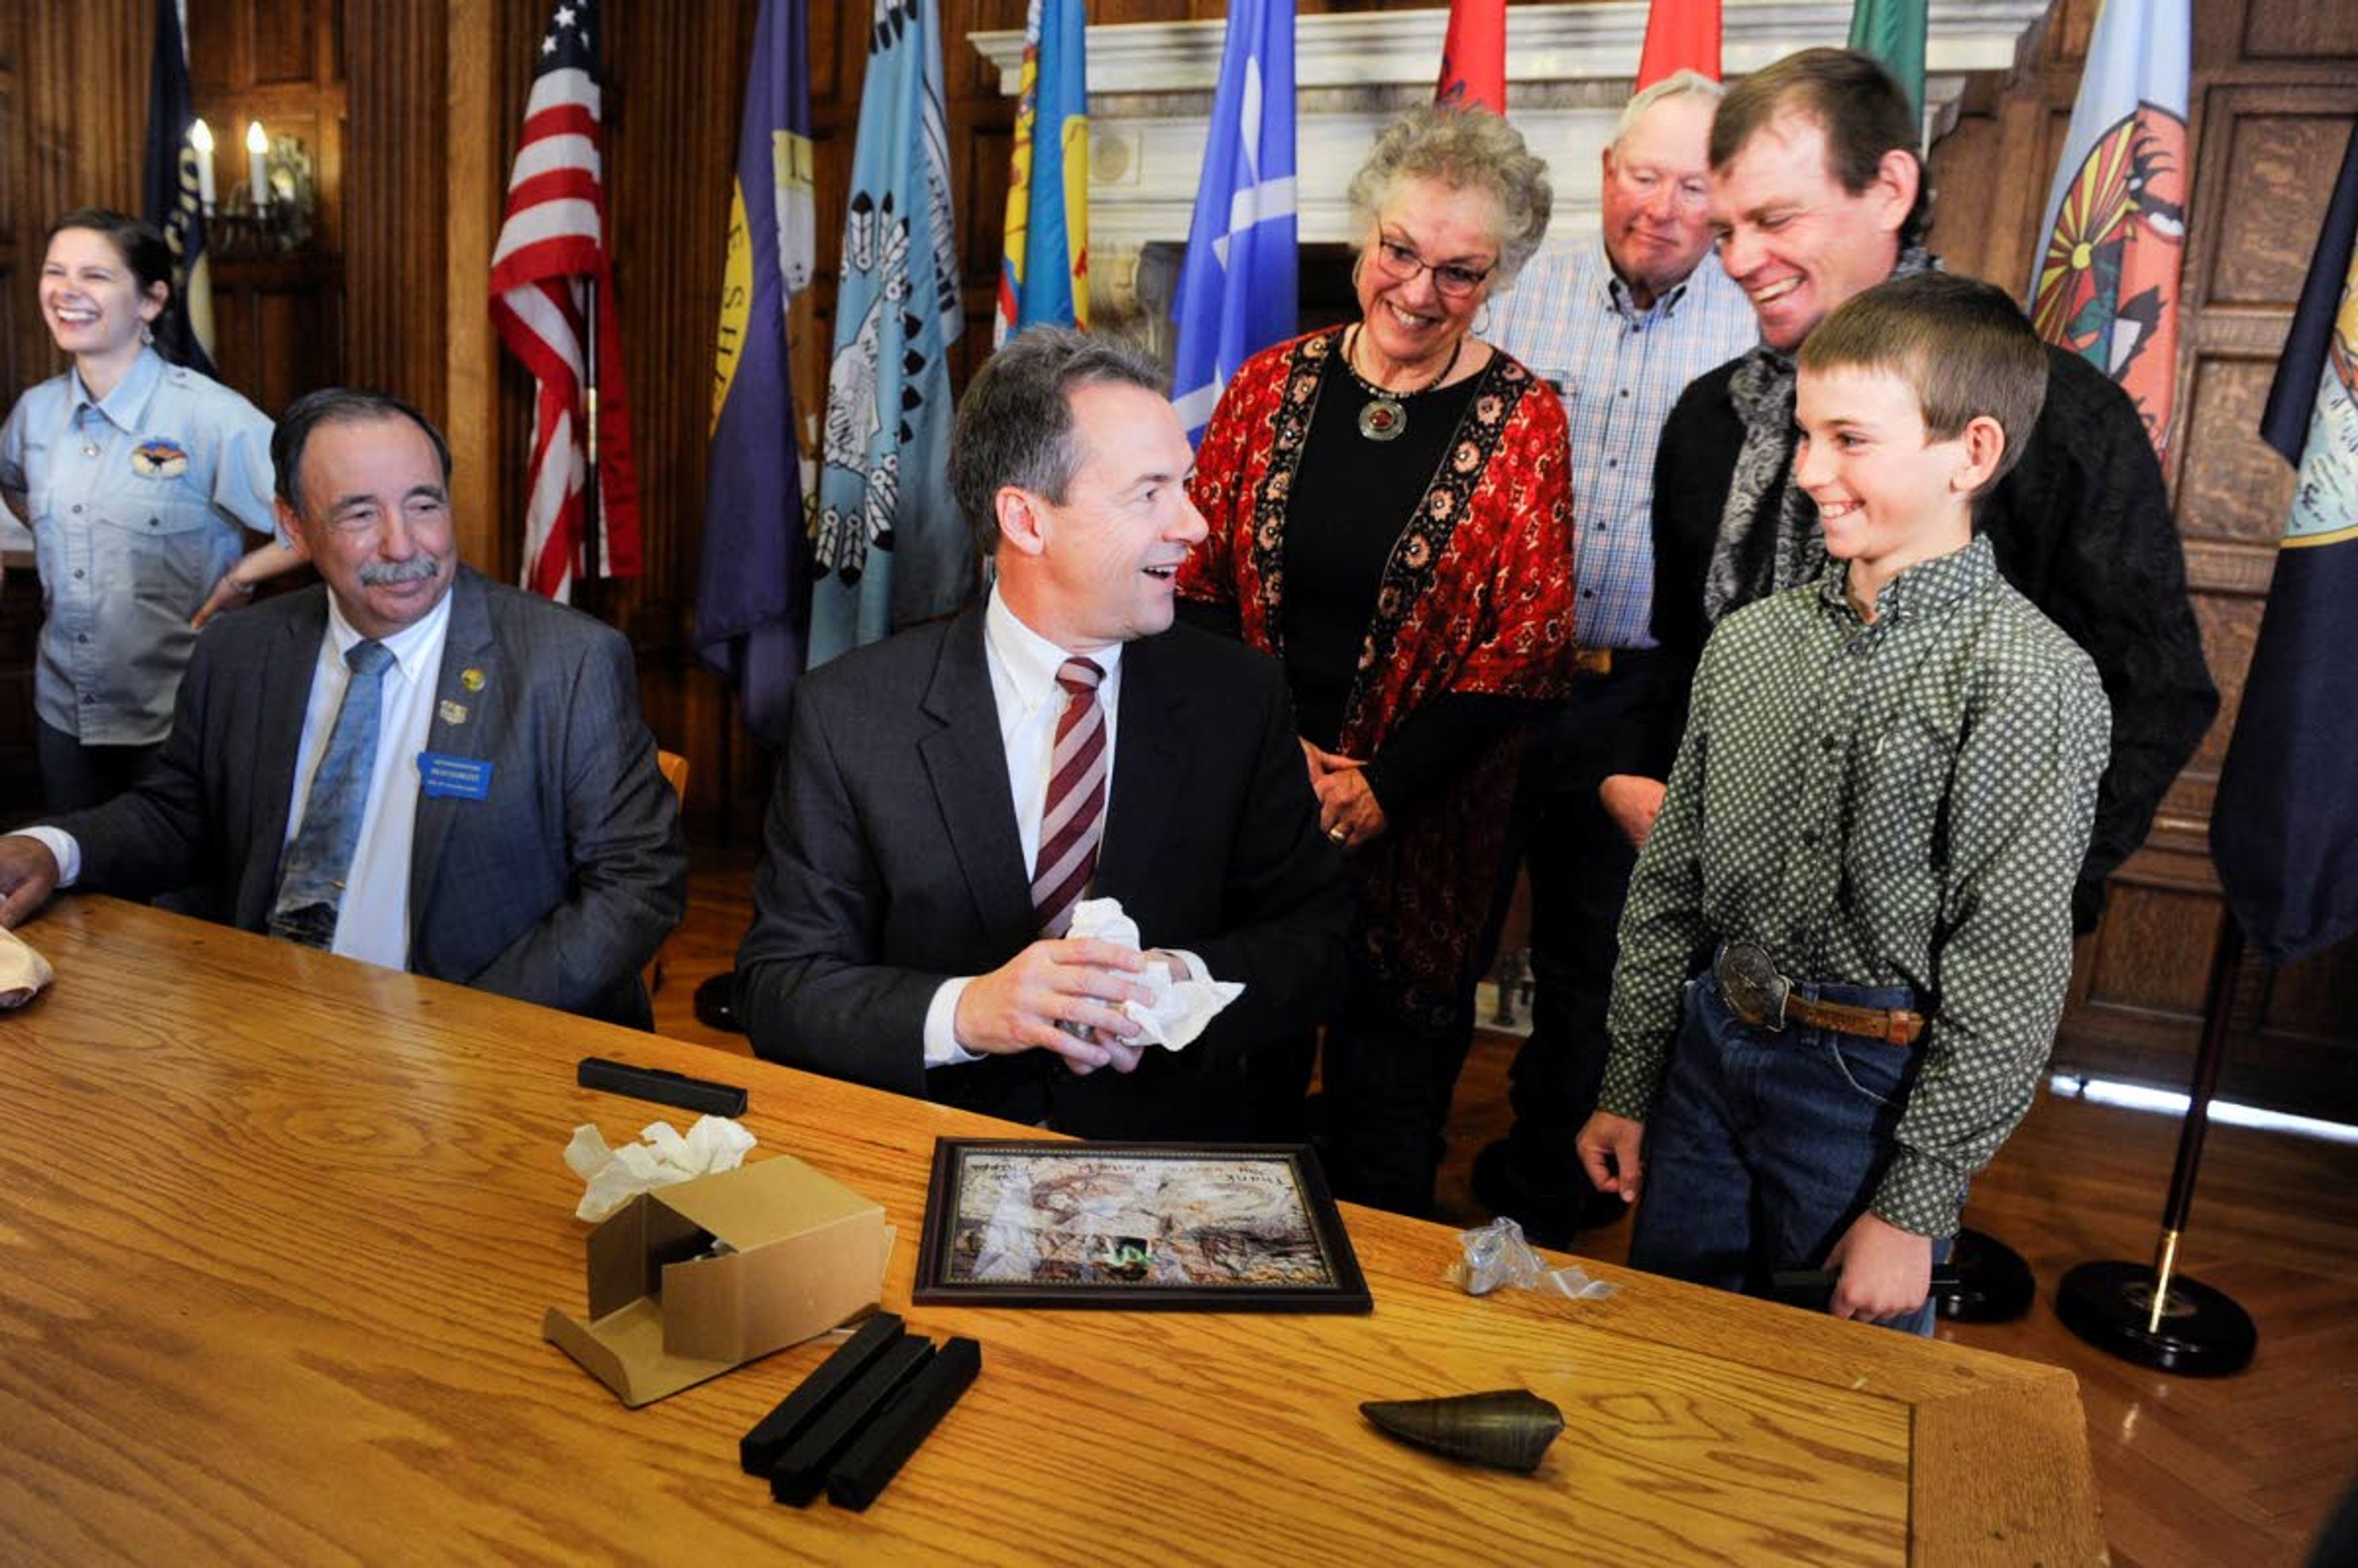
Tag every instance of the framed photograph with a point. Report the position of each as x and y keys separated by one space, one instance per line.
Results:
x=1235 y=1227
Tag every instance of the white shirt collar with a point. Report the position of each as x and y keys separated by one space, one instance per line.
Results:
x=1030 y=660
x=410 y=646
x=127 y=404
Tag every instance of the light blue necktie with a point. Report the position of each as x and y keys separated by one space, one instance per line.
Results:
x=312 y=885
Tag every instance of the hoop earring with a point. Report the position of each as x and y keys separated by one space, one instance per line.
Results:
x=1482 y=319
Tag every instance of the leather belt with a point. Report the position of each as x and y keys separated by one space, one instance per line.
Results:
x=1765 y=999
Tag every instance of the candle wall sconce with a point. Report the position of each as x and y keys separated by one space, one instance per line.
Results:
x=279 y=223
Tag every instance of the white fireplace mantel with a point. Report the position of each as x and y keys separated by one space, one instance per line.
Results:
x=1569 y=67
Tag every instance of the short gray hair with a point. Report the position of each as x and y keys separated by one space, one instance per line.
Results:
x=1464 y=149
x=1685 y=82
x=1014 y=425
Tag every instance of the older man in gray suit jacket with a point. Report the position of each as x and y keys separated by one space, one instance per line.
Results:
x=409 y=765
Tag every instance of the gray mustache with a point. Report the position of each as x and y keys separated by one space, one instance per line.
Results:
x=417 y=568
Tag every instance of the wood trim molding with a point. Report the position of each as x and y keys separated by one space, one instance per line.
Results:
x=476 y=185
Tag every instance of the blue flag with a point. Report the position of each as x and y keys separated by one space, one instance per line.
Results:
x=753 y=595
x=170 y=196
x=2284 y=829
x=1044 y=273
x=1236 y=286
x=890 y=546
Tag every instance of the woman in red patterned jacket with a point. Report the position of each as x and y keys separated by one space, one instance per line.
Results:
x=1390 y=516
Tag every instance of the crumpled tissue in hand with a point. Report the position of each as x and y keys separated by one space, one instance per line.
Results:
x=1498 y=1255
x=617 y=1176
x=23 y=972
x=1177 y=1006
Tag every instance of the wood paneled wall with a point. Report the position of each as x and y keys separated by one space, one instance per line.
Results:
x=398 y=204
x=62 y=145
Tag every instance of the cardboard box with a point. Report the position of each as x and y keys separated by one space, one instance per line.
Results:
x=800 y=1254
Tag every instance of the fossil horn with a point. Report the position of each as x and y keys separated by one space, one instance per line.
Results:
x=1508 y=1429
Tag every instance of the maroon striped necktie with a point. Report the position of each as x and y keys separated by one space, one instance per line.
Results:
x=1075 y=818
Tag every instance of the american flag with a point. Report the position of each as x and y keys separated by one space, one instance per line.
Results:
x=549 y=272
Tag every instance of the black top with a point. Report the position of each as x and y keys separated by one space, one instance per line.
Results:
x=1352 y=497
x=2081 y=527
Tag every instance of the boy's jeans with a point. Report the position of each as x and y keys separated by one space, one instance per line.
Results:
x=1764 y=1147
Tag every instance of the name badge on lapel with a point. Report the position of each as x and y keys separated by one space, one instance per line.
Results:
x=457 y=778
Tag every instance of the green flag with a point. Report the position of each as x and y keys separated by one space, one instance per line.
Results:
x=1893 y=32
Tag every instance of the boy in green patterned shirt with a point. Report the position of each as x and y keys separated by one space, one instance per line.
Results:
x=1862 y=874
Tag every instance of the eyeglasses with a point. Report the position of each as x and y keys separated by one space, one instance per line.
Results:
x=1453 y=278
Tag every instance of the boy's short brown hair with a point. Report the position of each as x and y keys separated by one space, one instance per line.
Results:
x=1963 y=344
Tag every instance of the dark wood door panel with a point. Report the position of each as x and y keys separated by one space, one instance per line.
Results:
x=2266 y=198
x=2233 y=485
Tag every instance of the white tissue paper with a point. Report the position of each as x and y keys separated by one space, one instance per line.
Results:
x=617 y=1176
x=23 y=972
x=1178 y=1007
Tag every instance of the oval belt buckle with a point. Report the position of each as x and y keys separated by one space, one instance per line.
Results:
x=1753 y=988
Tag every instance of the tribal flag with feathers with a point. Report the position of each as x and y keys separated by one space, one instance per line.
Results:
x=2107 y=280
x=889 y=545
x=549 y=271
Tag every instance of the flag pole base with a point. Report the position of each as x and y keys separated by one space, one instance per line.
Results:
x=2202 y=1332
x=1993 y=1283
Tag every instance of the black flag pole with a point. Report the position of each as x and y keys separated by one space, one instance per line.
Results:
x=2153 y=1315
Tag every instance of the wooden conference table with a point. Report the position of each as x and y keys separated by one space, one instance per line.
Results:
x=277 y=1230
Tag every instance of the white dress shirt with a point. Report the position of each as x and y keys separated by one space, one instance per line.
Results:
x=372 y=918
x=1022 y=665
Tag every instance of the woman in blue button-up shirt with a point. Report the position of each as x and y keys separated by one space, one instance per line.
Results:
x=139 y=479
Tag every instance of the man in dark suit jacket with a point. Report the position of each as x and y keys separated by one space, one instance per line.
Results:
x=897 y=938
x=530 y=847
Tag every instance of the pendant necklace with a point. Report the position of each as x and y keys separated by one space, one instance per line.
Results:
x=1386 y=415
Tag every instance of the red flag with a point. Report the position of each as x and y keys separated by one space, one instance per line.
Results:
x=1680 y=35
x=551 y=253
x=1473 y=56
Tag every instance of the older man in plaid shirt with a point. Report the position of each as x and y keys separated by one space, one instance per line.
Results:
x=1619 y=327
